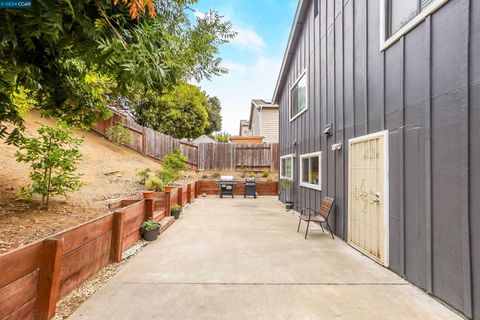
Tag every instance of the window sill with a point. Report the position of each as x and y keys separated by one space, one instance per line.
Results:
x=386 y=43
x=298 y=114
x=311 y=186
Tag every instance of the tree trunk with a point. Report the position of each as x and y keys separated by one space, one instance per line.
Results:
x=48 y=188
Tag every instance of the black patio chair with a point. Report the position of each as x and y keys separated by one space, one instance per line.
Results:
x=310 y=215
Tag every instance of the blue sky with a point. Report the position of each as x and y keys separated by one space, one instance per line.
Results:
x=253 y=57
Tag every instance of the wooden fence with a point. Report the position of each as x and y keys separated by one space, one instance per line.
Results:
x=35 y=277
x=204 y=156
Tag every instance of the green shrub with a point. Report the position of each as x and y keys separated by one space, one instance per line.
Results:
x=216 y=174
x=285 y=183
x=150 y=225
x=252 y=174
x=144 y=175
x=155 y=184
x=175 y=161
x=119 y=134
x=172 y=163
x=244 y=172
x=25 y=193
x=23 y=100
x=265 y=173
x=53 y=158
x=168 y=177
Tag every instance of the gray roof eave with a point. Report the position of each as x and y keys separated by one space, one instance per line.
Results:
x=302 y=9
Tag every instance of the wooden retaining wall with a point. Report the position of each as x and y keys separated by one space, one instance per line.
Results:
x=204 y=156
x=35 y=277
x=264 y=188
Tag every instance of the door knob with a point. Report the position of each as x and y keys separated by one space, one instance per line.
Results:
x=376 y=197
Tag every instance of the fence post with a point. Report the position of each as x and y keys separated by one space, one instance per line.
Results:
x=117 y=236
x=180 y=196
x=271 y=158
x=49 y=278
x=197 y=188
x=167 y=202
x=144 y=142
x=189 y=193
x=149 y=208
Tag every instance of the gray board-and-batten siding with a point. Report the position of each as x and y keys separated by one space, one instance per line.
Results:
x=425 y=90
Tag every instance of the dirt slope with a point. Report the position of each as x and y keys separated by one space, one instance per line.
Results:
x=109 y=172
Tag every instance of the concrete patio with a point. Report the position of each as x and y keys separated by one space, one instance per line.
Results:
x=243 y=259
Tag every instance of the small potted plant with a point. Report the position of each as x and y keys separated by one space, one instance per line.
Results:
x=284 y=184
x=147 y=194
x=150 y=229
x=154 y=185
x=175 y=210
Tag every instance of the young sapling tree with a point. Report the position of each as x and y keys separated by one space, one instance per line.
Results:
x=53 y=158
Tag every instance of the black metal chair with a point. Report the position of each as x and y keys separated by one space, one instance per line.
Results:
x=310 y=215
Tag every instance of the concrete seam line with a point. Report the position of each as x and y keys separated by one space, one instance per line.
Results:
x=275 y=284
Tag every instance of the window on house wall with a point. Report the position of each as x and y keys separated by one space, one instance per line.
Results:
x=399 y=15
x=286 y=167
x=298 y=96
x=310 y=170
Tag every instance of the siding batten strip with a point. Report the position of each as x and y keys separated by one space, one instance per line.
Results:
x=334 y=117
x=464 y=167
x=343 y=127
x=402 y=164
x=366 y=68
x=428 y=155
x=353 y=69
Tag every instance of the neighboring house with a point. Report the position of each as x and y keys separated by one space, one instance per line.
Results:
x=393 y=87
x=203 y=139
x=264 y=120
x=244 y=128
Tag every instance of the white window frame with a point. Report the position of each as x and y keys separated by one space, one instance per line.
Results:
x=288 y=156
x=387 y=42
x=304 y=73
x=310 y=185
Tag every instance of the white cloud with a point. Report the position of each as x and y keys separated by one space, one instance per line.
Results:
x=234 y=68
x=243 y=83
x=198 y=14
x=248 y=39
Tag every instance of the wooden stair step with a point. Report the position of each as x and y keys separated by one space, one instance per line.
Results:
x=166 y=223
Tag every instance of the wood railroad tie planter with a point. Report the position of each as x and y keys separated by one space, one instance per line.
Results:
x=35 y=277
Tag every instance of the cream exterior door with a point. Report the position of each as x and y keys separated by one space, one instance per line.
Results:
x=368 y=195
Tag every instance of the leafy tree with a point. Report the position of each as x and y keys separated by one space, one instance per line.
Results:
x=51 y=49
x=137 y=7
x=180 y=113
x=214 y=118
x=23 y=101
x=53 y=158
x=222 y=137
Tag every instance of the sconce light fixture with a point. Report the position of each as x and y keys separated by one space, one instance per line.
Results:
x=336 y=147
x=328 y=130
